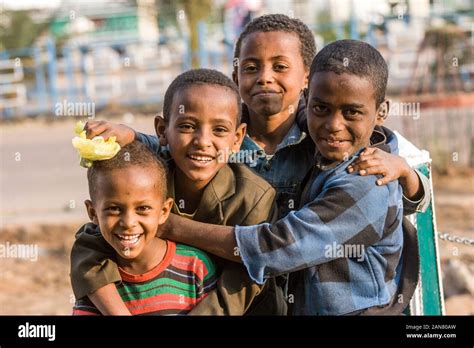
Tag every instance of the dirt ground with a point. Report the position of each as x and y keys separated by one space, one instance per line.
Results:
x=42 y=287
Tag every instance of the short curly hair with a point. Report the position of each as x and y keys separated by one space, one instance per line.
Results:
x=281 y=22
x=199 y=77
x=133 y=154
x=356 y=58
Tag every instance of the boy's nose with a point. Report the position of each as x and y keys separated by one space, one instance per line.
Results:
x=265 y=76
x=203 y=139
x=335 y=122
x=128 y=220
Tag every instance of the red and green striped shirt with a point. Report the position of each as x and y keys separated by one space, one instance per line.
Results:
x=183 y=278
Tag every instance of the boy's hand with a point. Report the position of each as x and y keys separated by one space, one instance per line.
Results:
x=374 y=161
x=124 y=134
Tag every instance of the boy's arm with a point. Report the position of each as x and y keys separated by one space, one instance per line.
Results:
x=92 y=268
x=235 y=291
x=108 y=301
x=151 y=141
x=415 y=186
x=420 y=202
x=216 y=239
x=299 y=240
x=123 y=134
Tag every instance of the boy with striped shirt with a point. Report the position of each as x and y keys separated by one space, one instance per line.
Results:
x=128 y=203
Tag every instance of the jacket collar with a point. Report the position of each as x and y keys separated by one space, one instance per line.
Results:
x=219 y=189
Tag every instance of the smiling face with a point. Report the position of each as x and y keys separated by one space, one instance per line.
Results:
x=271 y=72
x=129 y=206
x=201 y=132
x=342 y=113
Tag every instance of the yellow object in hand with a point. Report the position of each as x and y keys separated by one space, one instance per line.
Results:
x=96 y=149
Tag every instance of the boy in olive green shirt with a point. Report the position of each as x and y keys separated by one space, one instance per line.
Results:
x=201 y=128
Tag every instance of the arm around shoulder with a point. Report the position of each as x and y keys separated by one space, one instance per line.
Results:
x=92 y=265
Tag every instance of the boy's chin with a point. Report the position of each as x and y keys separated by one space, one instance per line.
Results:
x=335 y=156
x=128 y=255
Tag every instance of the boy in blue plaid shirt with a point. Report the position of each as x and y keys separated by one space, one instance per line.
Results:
x=347 y=237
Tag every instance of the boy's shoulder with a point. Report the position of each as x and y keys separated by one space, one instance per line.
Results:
x=195 y=254
x=343 y=186
x=248 y=180
x=243 y=197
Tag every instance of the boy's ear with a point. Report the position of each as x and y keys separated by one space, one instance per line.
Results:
x=382 y=112
x=165 y=210
x=239 y=137
x=160 y=127
x=91 y=211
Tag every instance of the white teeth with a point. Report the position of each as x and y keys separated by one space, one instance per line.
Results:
x=129 y=237
x=201 y=158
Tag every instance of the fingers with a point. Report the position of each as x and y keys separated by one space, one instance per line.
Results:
x=373 y=170
x=385 y=180
x=370 y=151
x=107 y=134
x=363 y=165
x=96 y=128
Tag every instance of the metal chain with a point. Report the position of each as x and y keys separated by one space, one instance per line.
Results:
x=455 y=239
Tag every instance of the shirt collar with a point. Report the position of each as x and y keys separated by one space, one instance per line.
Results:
x=220 y=188
x=293 y=137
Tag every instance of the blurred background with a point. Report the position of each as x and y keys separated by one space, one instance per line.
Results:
x=62 y=61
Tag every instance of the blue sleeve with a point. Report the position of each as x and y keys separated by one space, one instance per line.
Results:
x=347 y=211
x=151 y=141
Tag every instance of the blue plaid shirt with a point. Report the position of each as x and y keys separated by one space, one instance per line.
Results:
x=340 y=211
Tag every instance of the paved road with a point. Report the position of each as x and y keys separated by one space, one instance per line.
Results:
x=40 y=178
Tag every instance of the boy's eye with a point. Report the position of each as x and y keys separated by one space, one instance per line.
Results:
x=144 y=209
x=249 y=68
x=113 y=210
x=320 y=109
x=351 y=113
x=186 y=127
x=221 y=130
x=280 y=67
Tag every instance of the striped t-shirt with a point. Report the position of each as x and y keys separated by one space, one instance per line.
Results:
x=183 y=278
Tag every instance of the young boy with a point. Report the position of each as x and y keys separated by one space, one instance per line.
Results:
x=129 y=203
x=346 y=238
x=200 y=128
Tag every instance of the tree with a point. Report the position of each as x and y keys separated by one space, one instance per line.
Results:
x=195 y=11
x=18 y=30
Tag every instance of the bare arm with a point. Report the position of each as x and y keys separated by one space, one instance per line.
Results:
x=215 y=239
x=108 y=301
x=411 y=185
